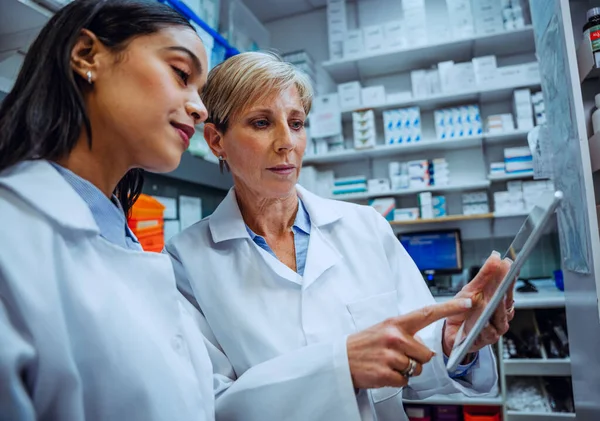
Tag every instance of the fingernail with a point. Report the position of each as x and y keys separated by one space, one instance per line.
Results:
x=508 y=259
x=467 y=303
x=496 y=253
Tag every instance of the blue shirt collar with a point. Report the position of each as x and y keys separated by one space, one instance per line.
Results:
x=301 y=223
x=107 y=213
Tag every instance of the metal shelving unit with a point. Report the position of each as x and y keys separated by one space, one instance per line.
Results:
x=479 y=184
x=500 y=92
x=347 y=155
x=371 y=65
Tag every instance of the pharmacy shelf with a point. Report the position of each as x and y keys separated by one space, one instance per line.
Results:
x=507 y=177
x=451 y=218
x=455 y=218
x=387 y=150
x=498 y=215
x=538 y=416
x=541 y=299
x=423 y=56
x=500 y=92
x=347 y=155
x=506 y=136
x=453 y=187
x=450 y=400
x=200 y=171
x=541 y=367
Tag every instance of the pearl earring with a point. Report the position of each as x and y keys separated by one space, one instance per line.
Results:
x=89 y=77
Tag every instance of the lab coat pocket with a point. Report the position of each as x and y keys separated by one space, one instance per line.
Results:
x=368 y=312
x=374 y=309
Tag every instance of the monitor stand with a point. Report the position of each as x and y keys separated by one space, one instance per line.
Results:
x=439 y=285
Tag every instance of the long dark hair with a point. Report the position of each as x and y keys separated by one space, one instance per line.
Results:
x=42 y=117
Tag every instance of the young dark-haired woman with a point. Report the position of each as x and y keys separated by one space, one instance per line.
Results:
x=91 y=327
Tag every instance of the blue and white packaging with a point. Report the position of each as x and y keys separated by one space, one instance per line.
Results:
x=385 y=206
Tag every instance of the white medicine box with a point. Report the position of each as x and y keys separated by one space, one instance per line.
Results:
x=350 y=94
x=373 y=38
x=393 y=36
x=373 y=96
x=354 y=43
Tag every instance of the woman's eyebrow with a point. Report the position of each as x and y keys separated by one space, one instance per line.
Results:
x=193 y=57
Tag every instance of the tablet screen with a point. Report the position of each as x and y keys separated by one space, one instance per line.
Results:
x=518 y=251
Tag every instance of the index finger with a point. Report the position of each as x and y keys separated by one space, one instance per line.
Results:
x=416 y=320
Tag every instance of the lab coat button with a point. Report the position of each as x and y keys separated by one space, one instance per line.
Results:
x=177 y=342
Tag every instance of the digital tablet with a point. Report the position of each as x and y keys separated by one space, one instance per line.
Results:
x=518 y=251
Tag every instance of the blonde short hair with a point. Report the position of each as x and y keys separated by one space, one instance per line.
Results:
x=247 y=78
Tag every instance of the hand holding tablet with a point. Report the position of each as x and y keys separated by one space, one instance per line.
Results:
x=491 y=290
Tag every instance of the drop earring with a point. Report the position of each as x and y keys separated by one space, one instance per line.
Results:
x=89 y=77
x=223 y=164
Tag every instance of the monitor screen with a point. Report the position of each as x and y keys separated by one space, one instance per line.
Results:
x=434 y=251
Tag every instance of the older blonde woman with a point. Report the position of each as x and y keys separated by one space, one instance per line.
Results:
x=312 y=305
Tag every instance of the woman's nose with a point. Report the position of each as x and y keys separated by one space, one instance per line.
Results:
x=197 y=111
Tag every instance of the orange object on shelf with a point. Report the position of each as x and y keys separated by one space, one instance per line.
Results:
x=482 y=413
x=147 y=207
x=147 y=223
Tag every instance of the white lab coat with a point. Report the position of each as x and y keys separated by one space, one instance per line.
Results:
x=88 y=330
x=284 y=335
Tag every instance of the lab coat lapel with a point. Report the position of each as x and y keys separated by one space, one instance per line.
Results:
x=226 y=223
x=322 y=255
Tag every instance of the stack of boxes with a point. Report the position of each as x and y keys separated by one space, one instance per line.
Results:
x=349 y=185
x=487 y=15
x=484 y=69
x=425 y=83
x=337 y=27
x=399 y=176
x=511 y=201
x=514 y=14
x=393 y=35
x=415 y=22
x=303 y=61
x=522 y=108
x=424 y=173
x=432 y=206
x=373 y=38
x=456 y=76
x=532 y=191
x=320 y=183
x=475 y=203
x=349 y=94
x=354 y=44
x=517 y=160
x=363 y=124
x=499 y=123
x=458 y=122
x=461 y=19
x=520 y=196
x=402 y=126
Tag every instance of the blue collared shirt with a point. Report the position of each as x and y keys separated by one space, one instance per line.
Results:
x=107 y=213
x=301 y=229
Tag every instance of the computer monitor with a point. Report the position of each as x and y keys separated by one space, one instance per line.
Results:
x=434 y=252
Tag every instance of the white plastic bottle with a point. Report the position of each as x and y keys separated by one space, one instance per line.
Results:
x=596 y=115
